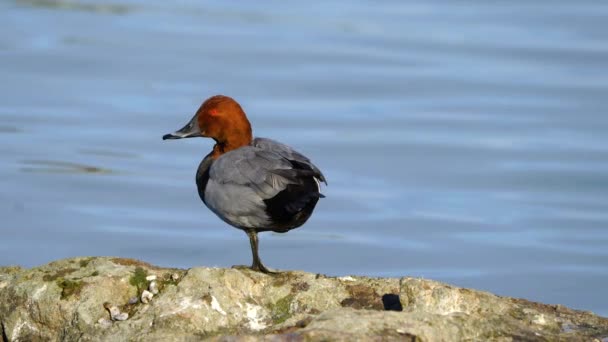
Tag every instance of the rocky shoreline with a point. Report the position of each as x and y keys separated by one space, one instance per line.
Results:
x=102 y=299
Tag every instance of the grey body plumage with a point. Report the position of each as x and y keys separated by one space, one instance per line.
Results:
x=238 y=185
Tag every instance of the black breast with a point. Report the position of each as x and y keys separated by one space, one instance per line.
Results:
x=293 y=206
x=202 y=176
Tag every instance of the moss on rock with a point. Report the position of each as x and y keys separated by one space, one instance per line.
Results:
x=362 y=297
x=85 y=262
x=58 y=274
x=138 y=279
x=281 y=310
x=69 y=287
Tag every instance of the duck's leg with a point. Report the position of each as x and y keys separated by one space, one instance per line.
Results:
x=257 y=263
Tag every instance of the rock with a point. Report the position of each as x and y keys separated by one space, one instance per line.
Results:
x=64 y=301
x=146 y=296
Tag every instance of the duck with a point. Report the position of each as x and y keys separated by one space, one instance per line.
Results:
x=254 y=184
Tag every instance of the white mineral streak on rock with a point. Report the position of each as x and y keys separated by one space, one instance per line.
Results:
x=185 y=304
x=146 y=296
x=539 y=319
x=38 y=292
x=215 y=305
x=347 y=278
x=19 y=326
x=256 y=321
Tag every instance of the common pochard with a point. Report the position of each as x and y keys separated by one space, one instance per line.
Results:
x=253 y=184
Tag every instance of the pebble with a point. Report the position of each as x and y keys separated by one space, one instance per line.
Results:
x=104 y=322
x=151 y=277
x=146 y=296
x=123 y=316
x=133 y=300
x=175 y=276
x=115 y=313
x=153 y=287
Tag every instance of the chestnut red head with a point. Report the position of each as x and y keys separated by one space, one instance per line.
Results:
x=221 y=118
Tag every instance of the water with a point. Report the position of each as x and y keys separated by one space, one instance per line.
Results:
x=463 y=143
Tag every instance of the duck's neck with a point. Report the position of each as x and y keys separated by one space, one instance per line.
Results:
x=237 y=133
x=226 y=146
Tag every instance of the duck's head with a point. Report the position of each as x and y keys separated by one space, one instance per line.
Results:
x=221 y=118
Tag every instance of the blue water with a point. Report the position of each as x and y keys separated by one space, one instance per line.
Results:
x=463 y=143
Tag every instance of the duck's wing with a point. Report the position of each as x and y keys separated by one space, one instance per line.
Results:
x=267 y=168
x=290 y=154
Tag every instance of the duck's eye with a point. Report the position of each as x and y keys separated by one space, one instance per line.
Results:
x=213 y=112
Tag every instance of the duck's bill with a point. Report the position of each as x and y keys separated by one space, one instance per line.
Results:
x=191 y=130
